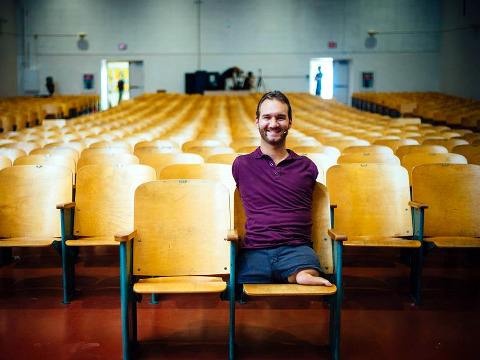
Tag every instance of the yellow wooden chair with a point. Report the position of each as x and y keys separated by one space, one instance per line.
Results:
x=373 y=210
x=409 y=161
x=205 y=142
x=327 y=245
x=394 y=144
x=28 y=197
x=408 y=149
x=222 y=158
x=65 y=151
x=207 y=151
x=178 y=246
x=5 y=162
x=475 y=159
x=159 y=160
x=467 y=150
x=372 y=149
x=47 y=159
x=452 y=194
x=106 y=159
x=103 y=204
x=367 y=157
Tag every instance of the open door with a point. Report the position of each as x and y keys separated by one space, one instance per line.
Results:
x=341 y=76
x=136 y=78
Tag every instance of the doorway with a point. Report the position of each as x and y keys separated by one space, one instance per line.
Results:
x=334 y=81
x=130 y=72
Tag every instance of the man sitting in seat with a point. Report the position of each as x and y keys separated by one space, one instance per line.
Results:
x=276 y=186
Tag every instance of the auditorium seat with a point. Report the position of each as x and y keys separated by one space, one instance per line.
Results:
x=103 y=204
x=180 y=244
x=410 y=161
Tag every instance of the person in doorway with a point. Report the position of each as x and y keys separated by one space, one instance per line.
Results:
x=318 y=79
x=120 y=86
x=276 y=186
x=50 y=85
x=249 y=81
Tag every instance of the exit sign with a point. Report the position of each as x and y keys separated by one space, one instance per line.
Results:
x=332 y=44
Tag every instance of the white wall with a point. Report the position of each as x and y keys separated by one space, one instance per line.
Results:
x=278 y=36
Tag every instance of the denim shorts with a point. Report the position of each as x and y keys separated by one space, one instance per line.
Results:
x=274 y=265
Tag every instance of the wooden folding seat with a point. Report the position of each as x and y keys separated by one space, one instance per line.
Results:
x=207 y=142
x=394 y=144
x=47 y=159
x=331 y=151
x=408 y=149
x=7 y=122
x=373 y=210
x=237 y=144
x=207 y=151
x=65 y=151
x=448 y=143
x=28 y=197
x=475 y=159
x=328 y=246
x=12 y=153
x=159 y=160
x=103 y=203
x=180 y=244
x=323 y=162
x=113 y=144
x=247 y=149
x=342 y=144
x=26 y=146
x=158 y=144
x=476 y=142
x=358 y=157
x=222 y=158
x=53 y=111
x=470 y=137
x=372 y=149
x=410 y=161
x=107 y=159
x=105 y=150
x=5 y=162
x=78 y=145
x=452 y=194
x=467 y=150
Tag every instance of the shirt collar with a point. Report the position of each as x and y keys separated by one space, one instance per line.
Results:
x=291 y=155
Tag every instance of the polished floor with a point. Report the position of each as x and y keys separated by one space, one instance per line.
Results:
x=378 y=319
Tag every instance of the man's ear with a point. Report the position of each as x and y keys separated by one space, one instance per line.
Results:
x=256 y=122
x=290 y=123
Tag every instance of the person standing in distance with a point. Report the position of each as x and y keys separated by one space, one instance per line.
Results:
x=120 y=86
x=276 y=186
x=318 y=79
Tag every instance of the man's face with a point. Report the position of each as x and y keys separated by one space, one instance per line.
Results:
x=273 y=122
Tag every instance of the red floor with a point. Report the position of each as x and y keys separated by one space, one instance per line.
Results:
x=378 y=319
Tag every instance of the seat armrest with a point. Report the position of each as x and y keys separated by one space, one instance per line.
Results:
x=66 y=206
x=417 y=205
x=232 y=235
x=337 y=236
x=125 y=236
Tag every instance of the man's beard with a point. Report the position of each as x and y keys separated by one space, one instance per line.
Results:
x=276 y=141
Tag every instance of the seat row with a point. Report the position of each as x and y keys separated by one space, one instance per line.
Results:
x=177 y=232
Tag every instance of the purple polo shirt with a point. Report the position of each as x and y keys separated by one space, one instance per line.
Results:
x=277 y=199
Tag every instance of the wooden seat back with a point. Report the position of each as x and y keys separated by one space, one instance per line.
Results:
x=206 y=142
x=47 y=159
x=321 y=224
x=5 y=162
x=222 y=158
x=408 y=149
x=372 y=149
x=409 y=161
x=104 y=197
x=367 y=157
x=57 y=151
x=207 y=151
x=106 y=159
x=28 y=198
x=217 y=172
x=159 y=160
x=181 y=226
x=372 y=199
x=452 y=193
x=467 y=150
x=394 y=144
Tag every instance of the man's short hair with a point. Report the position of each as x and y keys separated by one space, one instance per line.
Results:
x=275 y=95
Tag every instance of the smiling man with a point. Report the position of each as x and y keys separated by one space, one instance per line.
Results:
x=276 y=186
